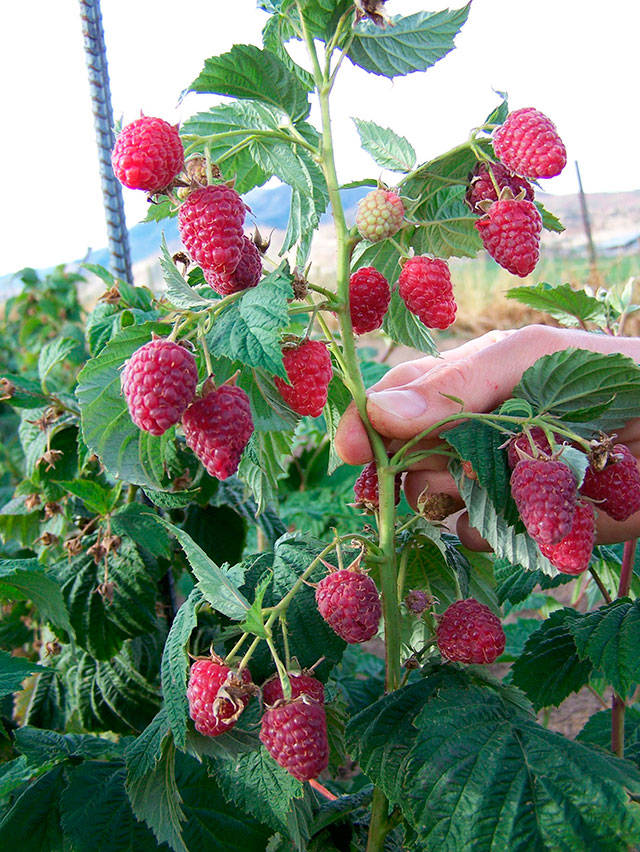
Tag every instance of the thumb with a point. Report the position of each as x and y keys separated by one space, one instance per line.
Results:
x=482 y=379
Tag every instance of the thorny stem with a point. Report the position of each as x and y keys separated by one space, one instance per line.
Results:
x=618 y=705
x=379 y=825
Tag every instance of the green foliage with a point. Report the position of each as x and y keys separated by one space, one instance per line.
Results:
x=496 y=761
x=389 y=150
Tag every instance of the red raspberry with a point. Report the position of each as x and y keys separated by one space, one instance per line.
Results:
x=379 y=215
x=425 y=287
x=210 y=223
x=159 y=381
x=369 y=297
x=521 y=442
x=246 y=274
x=308 y=367
x=510 y=232
x=571 y=555
x=616 y=487
x=217 y=427
x=295 y=735
x=301 y=684
x=148 y=154
x=217 y=696
x=545 y=492
x=528 y=144
x=468 y=632
x=349 y=603
x=481 y=187
x=366 y=488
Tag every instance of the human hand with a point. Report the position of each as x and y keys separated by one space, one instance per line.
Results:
x=483 y=372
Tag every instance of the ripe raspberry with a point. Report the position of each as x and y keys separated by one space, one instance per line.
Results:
x=366 y=488
x=301 y=684
x=295 y=735
x=545 y=492
x=510 y=232
x=468 y=632
x=148 y=154
x=246 y=274
x=349 y=603
x=571 y=555
x=521 y=442
x=528 y=144
x=616 y=487
x=308 y=367
x=210 y=223
x=379 y=215
x=217 y=427
x=369 y=297
x=425 y=287
x=159 y=382
x=481 y=187
x=217 y=696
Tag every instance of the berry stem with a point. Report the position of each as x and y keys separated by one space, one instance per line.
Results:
x=235 y=648
x=603 y=589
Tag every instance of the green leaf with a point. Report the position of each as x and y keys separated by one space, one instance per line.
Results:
x=570 y=383
x=549 y=221
x=249 y=73
x=383 y=255
x=138 y=523
x=52 y=354
x=126 y=451
x=255 y=784
x=96 y=812
x=597 y=732
x=175 y=667
x=405 y=328
x=22 y=392
x=101 y=625
x=516 y=548
x=96 y=497
x=404 y=45
x=446 y=225
x=151 y=785
x=254 y=621
x=13 y=670
x=609 y=639
x=26 y=578
x=275 y=34
x=32 y=823
x=387 y=148
x=249 y=329
x=517 y=633
x=115 y=695
x=550 y=668
x=217 y=586
x=264 y=463
x=471 y=769
x=49 y=747
x=480 y=444
x=179 y=293
x=571 y=307
x=514 y=584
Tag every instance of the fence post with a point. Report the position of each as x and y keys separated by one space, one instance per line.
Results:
x=96 y=57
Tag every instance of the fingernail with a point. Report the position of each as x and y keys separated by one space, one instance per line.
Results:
x=400 y=403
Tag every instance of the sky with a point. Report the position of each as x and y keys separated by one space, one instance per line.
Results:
x=576 y=61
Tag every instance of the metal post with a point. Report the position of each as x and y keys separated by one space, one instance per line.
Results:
x=98 y=73
x=587 y=224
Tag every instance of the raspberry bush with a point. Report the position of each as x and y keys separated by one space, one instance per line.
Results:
x=214 y=635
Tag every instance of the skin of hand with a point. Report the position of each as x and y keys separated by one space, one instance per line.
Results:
x=483 y=373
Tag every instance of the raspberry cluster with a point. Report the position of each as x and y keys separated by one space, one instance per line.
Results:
x=217 y=427
x=148 y=154
x=295 y=735
x=246 y=274
x=348 y=601
x=380 y=215
x=425 y=287
x=369 y=297
x=210 y=223
x=528 y=147
x=309 y=371
x=468 y=632
x=217 y=695
x=159 y=382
